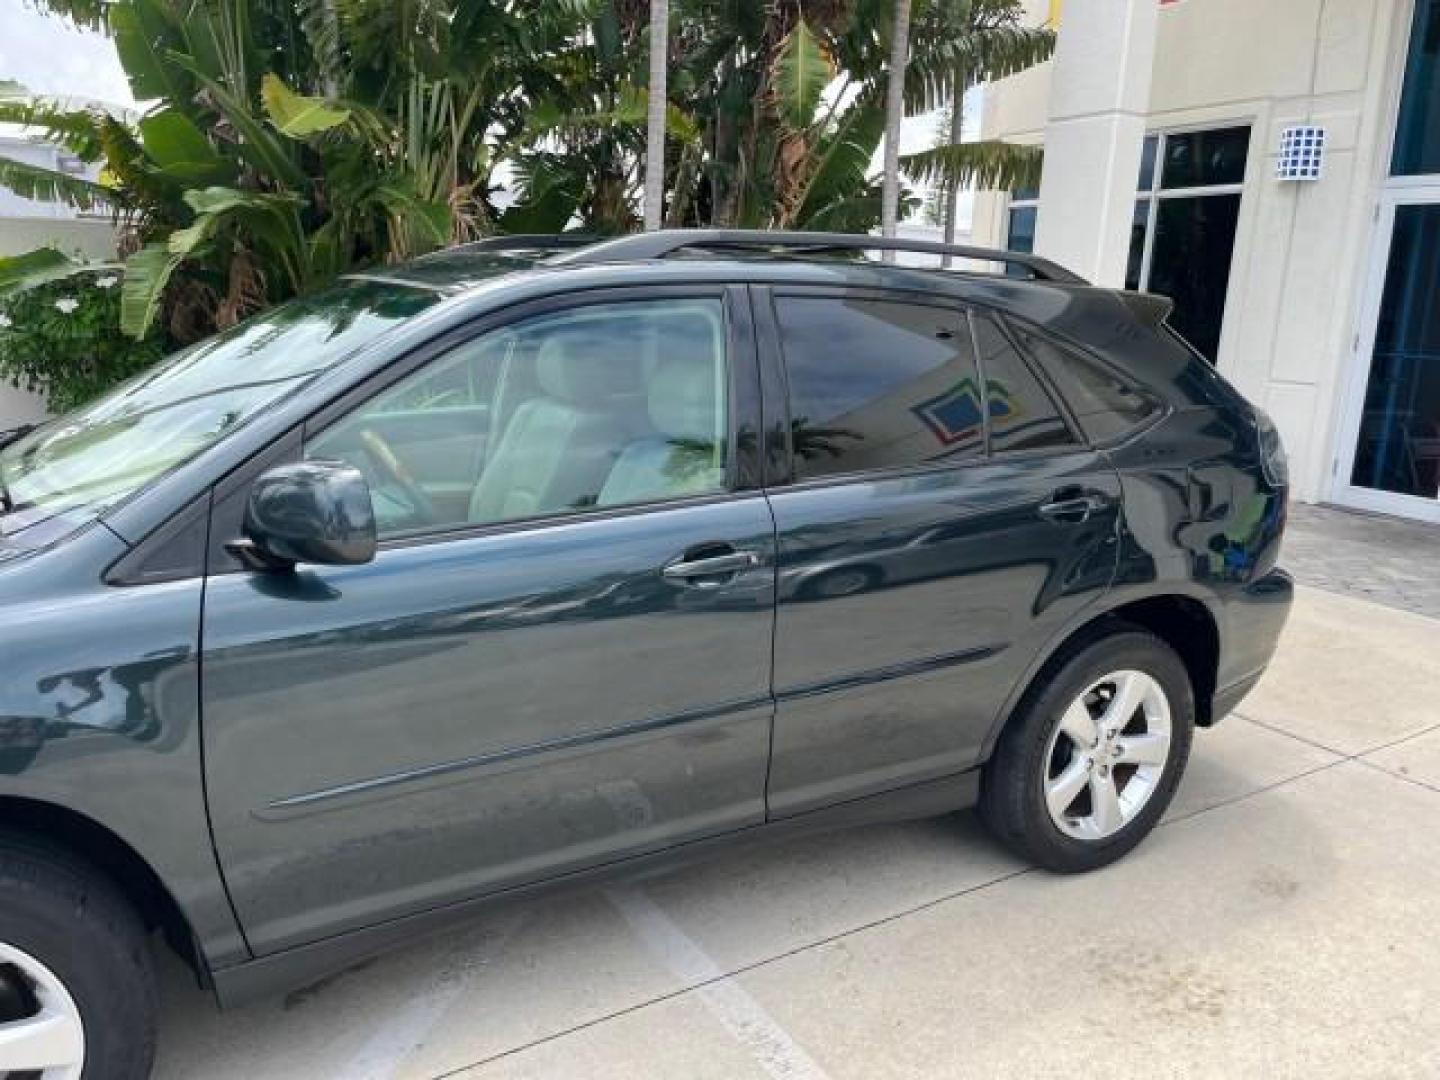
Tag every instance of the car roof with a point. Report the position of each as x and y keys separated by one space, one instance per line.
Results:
x=746 y=255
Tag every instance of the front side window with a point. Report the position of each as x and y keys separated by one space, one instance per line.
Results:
x=600 y=406
x=876 y=384
x=73 y=468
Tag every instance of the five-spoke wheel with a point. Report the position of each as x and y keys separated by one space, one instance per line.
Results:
x=77 y=989
x=41 y=1033
x=1090 y=760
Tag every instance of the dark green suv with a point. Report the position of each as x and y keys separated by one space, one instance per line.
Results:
x=530 y=561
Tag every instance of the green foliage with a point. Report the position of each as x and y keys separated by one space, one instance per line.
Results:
x=62 y=339
x=801 y=71
x=291 y=142
x=988 y=165
x=295 y=115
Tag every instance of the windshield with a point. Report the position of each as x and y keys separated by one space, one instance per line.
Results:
x=71 y=469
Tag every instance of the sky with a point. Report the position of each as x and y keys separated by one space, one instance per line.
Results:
x=52 y=58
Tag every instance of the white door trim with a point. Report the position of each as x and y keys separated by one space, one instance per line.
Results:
x=1410 y=193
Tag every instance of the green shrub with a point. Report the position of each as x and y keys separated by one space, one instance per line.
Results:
x=62 y=339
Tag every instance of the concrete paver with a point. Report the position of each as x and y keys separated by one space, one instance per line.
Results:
x=1350 y=675
x=1281 y=920
x=1369 y=556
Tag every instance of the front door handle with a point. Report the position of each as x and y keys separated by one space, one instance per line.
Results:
x=1076 y=506
x=692 y=570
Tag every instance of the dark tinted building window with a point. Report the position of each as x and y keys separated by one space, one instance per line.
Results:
x=1194 y=242
x=1023 y=416
x=1183 y=232
x=1417 y=129
x=1103 y=403
x=1022 y=229
x=1205 y=158
x=878 y=385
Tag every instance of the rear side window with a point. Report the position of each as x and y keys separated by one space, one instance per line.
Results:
x=1023 y=415
x=876 y=384
x=1104 y=404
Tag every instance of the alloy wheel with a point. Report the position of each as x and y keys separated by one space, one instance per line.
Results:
x=41 y=1034
x=1107 y=754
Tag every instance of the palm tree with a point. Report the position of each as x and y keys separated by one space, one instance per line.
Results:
x=984 y=42
x=655 y=116
x=894 y=114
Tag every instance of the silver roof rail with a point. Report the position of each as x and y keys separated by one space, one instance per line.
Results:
x=657 y=245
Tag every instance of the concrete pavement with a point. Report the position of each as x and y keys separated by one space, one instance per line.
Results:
x=1281 y=921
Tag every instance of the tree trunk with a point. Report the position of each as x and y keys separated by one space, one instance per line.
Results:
x=952 y=189
x=655 y=116
x=894 y=114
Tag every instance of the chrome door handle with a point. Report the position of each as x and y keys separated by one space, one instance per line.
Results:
x=1076 y=508
x=732 y=562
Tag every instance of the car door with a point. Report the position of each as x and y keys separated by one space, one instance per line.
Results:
x=572 y=670
x=938 y=520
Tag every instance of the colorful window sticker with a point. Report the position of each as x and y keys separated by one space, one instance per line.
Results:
x=1003 y=406
x=954 y=416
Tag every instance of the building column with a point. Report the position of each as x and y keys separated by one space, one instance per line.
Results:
x=1099 y=97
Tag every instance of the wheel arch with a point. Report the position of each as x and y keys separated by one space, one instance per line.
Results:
x=1182 y=621
x=78 y=836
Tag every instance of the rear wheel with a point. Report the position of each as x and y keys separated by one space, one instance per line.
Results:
x=1087 y=767
x=77 y=989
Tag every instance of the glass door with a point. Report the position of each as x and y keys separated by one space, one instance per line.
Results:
x=1390 y=448
x=1394 y=424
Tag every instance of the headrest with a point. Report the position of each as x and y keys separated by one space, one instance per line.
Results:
x=586 y=366
x=682 y=397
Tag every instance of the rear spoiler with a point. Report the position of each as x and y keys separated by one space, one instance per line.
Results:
x=1148 y=308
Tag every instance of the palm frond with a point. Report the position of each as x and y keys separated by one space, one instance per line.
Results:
x=979 y=56
x=989 y=165
x=46 y=185
x=78 y=130
x=20 y=272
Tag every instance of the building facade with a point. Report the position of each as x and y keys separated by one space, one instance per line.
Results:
x=1275 y=168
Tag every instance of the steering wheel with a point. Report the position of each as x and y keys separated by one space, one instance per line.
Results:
x=388 y=462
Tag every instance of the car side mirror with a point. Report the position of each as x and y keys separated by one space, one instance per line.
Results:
x=308 y=512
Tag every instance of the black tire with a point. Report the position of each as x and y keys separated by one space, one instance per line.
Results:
x=1012 y=800
x=61 y=912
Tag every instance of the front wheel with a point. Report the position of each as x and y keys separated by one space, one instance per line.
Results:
x=77 y=990
x=1088 y=765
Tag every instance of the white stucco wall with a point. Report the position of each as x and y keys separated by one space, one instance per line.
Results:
x=1301 y=250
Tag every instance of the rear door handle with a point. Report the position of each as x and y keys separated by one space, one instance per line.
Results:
x=691 y=570
x=1065 y=506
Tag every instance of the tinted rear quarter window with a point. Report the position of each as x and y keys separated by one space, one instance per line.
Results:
x=1106 y=405
x=878 y=384
x=1023 y=415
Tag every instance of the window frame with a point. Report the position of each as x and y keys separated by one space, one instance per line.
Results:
x=775 y=375
x=742 y=469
